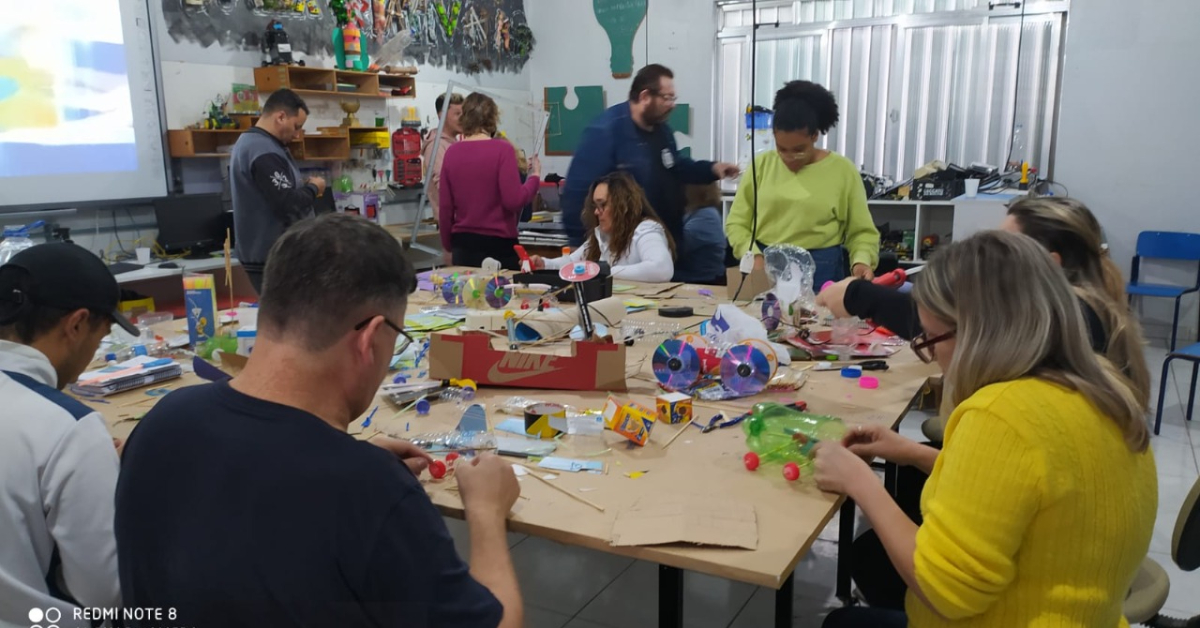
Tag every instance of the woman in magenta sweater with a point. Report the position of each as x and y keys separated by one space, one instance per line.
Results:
x=481 y=194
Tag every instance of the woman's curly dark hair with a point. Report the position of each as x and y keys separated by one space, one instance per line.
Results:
x=805 y=106
x=629 y=208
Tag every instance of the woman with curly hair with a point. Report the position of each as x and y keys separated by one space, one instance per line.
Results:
x=806 y=195
x=624 y=231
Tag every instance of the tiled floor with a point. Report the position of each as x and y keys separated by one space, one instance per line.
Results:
x=569 y=587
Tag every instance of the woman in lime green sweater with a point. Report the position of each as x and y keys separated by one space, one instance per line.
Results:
x=1040 y=507
x=807 y=196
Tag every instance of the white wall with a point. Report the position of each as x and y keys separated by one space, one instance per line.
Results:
x=193 y=75
x=1129 y=133
x=573 y=50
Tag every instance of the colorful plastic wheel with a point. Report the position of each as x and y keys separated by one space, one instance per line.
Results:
x=751 y=461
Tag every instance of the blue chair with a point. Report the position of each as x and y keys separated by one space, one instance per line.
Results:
x=1164 y=245
x=1191 y=354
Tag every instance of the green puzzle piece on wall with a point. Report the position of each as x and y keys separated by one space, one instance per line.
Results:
x=566 y=126
x=681 y=122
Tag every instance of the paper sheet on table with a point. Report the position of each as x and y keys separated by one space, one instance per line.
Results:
x=694 y=519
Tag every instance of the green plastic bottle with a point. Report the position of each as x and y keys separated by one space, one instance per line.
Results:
x=776 y=433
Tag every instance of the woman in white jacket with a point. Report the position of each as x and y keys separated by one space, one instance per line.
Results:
x=624 y=231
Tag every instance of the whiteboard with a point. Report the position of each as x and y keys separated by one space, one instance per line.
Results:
x=79 y=105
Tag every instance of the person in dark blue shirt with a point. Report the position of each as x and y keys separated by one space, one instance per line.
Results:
x=702 y=256
x=246 y=503
x=634 y=136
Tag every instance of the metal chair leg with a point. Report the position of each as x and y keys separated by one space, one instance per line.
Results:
x=1175 y=323
x=1162 y=393
x=1192 y=390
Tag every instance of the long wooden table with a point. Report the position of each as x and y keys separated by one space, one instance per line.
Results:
x=790 y=514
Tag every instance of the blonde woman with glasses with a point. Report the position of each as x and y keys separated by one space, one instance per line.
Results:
x=1041 y=505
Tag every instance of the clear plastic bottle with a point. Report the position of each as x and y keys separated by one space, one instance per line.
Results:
x=1017 y=154
x=443 y=442
x=759 y=137
x=16 y=239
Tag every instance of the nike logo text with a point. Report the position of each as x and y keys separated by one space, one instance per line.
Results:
x=514 y=366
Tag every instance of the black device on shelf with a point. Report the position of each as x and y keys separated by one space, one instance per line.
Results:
x=194 y=223
x=937 y=190
x=599 y=287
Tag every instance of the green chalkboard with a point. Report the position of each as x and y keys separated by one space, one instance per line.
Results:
x=621 y=20
x=566 y=126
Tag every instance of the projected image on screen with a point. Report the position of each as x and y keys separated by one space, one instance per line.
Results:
x=65 y=104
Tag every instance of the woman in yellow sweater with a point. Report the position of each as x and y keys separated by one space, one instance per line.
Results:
x=1040 y=507
x=807 y=196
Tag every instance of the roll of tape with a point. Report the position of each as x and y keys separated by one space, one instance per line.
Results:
x=542 y=419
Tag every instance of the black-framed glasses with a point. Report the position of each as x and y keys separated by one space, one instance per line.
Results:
x=922 y=344
x=405 y=339
x=661 y=96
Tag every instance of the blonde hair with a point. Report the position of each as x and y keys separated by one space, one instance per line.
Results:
x=1016 y=316
x=522 y=162
x=1066 y=226
x=479 y=115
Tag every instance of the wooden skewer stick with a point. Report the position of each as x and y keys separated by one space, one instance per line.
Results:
x=681 y=430
x=534 y=473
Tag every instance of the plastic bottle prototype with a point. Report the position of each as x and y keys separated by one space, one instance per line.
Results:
x=778 y=434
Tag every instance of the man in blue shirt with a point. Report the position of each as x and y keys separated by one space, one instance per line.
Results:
x=634 y=136
x=246 y=503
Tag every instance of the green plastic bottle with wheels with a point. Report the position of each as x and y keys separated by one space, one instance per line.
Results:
x=776 y=433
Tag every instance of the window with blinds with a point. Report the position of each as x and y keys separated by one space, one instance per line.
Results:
x=915 y=80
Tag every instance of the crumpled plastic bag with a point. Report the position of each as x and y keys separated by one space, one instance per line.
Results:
x=791 y=269
x=729 y=325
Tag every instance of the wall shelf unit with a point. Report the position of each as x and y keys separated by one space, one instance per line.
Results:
x=320 y=82
x=194 y=143
x=331 y=143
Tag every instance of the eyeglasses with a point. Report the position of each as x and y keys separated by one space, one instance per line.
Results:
x=405 y=339
x=922 y=345
x=664 y=97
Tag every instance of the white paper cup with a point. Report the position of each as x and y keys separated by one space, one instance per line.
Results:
x=143 y=255
x=972 y=188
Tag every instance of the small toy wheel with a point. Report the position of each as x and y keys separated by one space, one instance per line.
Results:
x=751 y=461
x=437 y=469
x=791 y=472
x=452 y=456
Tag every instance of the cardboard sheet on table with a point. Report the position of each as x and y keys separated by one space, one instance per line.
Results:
x=652 y=289
x=692 y=519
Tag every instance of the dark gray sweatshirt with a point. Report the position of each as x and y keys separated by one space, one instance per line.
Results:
x=268 y=196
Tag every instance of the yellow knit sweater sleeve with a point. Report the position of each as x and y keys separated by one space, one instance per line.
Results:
x=990 y=483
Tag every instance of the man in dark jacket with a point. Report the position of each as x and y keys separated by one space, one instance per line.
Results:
x=268 y=196
x=634 y=136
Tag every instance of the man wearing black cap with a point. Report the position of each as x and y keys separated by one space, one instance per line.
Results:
x=58 y=467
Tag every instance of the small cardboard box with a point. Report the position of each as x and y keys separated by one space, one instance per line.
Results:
x=200 y=300
x=674 y=408
x=469 y=355
x=631 y=420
